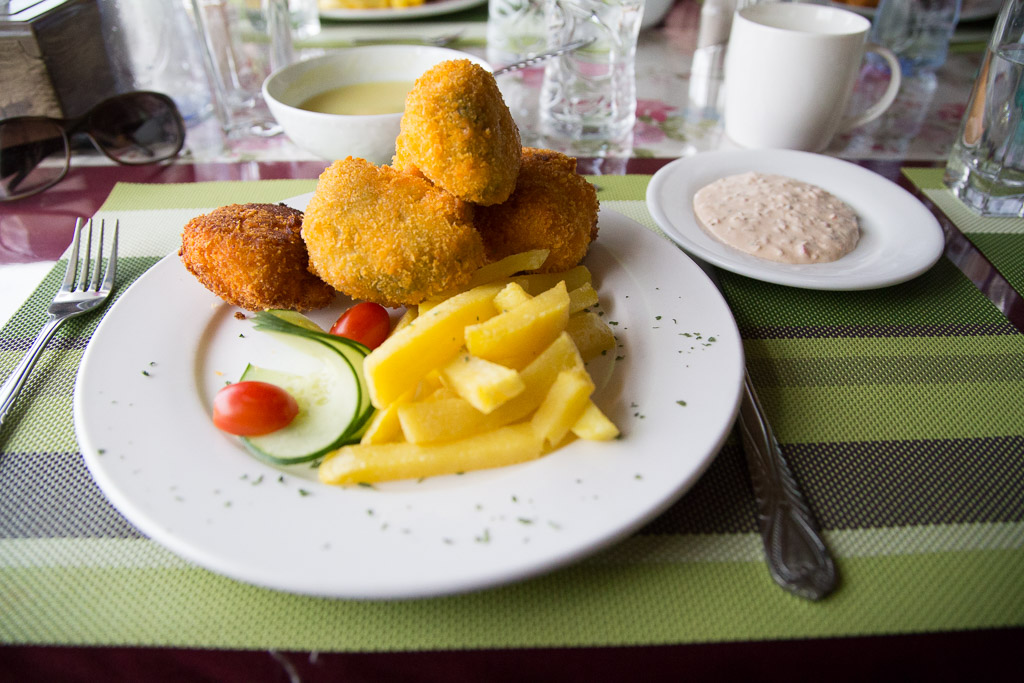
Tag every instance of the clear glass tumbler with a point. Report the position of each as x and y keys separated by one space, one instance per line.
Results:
x=590 y=94
x=515 y=30
x=986 y=165
x=917 y=31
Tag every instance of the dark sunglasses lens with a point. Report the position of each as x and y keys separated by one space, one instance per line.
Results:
x=137 y=128
x=33 y=156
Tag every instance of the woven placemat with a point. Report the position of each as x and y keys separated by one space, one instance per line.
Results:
x=901 y=412
x=1001 y=240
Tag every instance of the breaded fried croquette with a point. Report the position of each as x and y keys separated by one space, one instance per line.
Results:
x=380 y=235
x=253 y=256
x=458 y=132
x=552 y=208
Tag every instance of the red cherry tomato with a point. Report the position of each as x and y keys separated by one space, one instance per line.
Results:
x=253 y=408
x=367 y=323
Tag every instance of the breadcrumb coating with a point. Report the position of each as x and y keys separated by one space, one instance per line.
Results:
x=380 y=235
x=253 y=256
x=553 y=207
x=458 y=132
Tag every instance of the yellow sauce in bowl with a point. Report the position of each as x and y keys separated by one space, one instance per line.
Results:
x=361 y=99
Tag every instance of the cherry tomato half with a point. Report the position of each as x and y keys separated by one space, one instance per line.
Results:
x=253 y=408
x=366 y=322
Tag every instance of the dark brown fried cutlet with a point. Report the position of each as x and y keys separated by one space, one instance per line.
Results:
x=253 y=256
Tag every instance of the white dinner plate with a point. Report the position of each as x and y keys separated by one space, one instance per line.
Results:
x=142 y=414
x=900 y=238
x=428 y=9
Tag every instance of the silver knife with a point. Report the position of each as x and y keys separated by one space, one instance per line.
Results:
x=798 y=559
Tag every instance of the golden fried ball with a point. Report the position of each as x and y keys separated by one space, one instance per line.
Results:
x=458 y=132
x=381 y=235
x=553 y=207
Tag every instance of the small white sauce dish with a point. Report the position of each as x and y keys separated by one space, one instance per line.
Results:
x=336 y=136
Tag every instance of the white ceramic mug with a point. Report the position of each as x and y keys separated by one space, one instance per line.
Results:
x=789 y=74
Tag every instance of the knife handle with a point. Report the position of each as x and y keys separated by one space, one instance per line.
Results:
x=797 y=557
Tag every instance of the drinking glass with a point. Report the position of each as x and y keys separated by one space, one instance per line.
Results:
x=986 y=165
x=515 y=30
x=244 y=42
x=917 y=31
x=590 y=94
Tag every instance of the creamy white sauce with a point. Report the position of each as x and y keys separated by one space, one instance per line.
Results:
x=777 y=218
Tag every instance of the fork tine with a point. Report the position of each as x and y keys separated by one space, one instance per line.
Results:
x=108 y=277
x=72 y=267
x=95 y=285
x=83 y=281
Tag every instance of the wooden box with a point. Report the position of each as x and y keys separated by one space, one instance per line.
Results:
x=52 y=58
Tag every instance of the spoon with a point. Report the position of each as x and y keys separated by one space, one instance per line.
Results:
x=544 y=56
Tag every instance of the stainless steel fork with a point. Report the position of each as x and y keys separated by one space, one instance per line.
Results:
x=77 y=295
x=437 y=41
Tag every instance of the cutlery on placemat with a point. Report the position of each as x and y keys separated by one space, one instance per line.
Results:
x=797 y=557
x=81 y=291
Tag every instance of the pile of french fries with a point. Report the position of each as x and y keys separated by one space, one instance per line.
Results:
x=489 y=376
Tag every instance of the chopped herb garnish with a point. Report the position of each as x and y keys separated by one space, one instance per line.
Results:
x=524 y=520
x=682 y=403
x=485 y=537
x=146 y=373
x=657 y=317
x=304 y=492
x=258 y=480
x=365 y=484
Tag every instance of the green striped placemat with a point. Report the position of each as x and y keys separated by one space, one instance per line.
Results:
x=1001 y=240
x=901 y=412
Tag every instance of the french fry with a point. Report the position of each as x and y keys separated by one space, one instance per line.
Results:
x=428 y=342
x=535 y=283
x=510 y=296
x=563 y=405
x=384 y=427
x=594 y=425
x=407 y=317
x=582 y=297
x=362 y=464
x=485 y=385
x=517 y=336
x=444 y=419
x=591 y=335
x=508 y=266
x=489 y=377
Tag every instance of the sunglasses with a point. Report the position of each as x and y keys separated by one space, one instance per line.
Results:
x=134 y=129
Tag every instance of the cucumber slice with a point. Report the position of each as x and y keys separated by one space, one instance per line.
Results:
x=293 y=323
x=330 y=405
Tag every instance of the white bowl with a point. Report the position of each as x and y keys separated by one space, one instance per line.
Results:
x=336 y=136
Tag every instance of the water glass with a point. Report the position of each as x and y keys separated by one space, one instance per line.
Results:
x=154 y=46
x=986 y=165
x=515 y=30
x=590 y=94
x=917 y=31
x=244 y=41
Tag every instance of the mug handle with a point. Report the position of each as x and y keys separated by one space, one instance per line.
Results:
x=887 y=98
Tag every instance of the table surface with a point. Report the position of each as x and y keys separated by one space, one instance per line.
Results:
x=678 y=116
